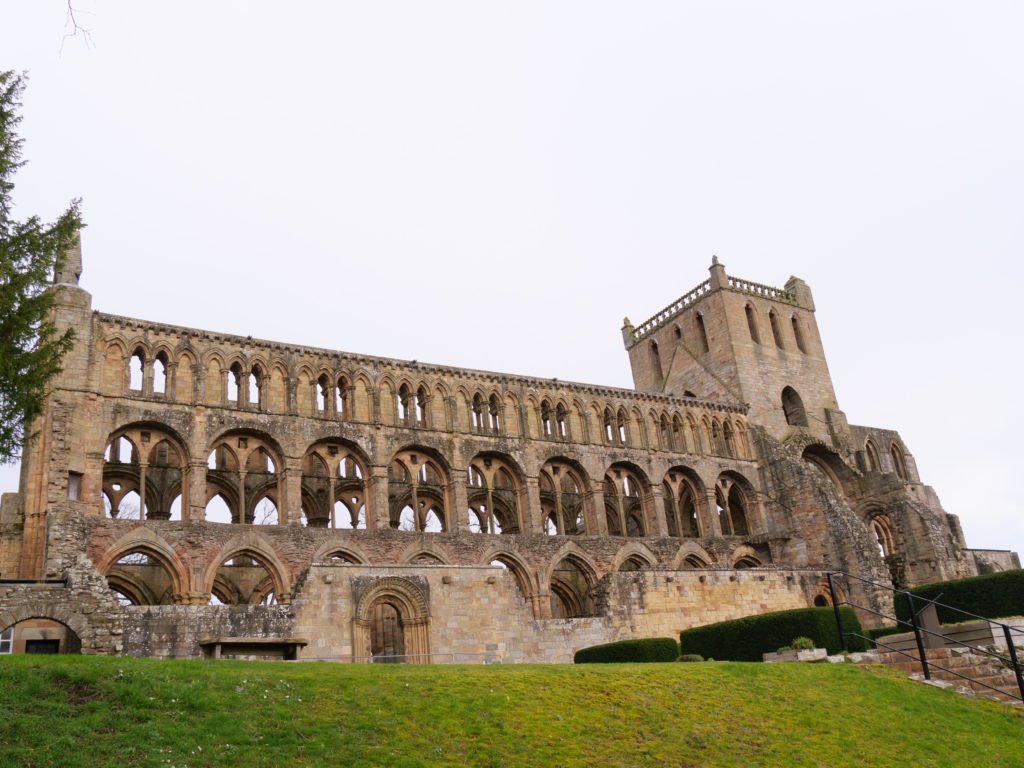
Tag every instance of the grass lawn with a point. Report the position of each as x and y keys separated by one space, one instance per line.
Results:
x=91 y=711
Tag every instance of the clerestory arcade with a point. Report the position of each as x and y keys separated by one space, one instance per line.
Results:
x=193 y=493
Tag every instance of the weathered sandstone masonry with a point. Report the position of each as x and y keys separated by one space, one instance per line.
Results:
x=192 y=490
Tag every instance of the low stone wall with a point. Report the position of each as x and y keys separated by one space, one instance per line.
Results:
x=175 y=631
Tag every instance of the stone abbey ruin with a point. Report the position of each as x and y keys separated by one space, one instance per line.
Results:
x=193 y=493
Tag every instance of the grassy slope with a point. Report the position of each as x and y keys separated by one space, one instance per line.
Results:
x=87 y=711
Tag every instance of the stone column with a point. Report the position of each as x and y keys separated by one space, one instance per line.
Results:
x=596 y=524
x=196 y=479
x=532 y=513
x=656 y=517
x=460 y=499
x=291 y=495
x=377 y=513
x=711 y=524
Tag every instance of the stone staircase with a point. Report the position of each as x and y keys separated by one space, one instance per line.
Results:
x=982 y=670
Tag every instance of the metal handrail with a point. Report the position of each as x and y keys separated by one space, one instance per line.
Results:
x=917 y=629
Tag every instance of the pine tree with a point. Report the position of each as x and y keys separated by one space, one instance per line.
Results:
x=31 y=251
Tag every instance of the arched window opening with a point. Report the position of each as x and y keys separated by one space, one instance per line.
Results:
x=333 y=492
x=656 y=362
x=256 y=377
x=677 y=332
x=776 y=330
x=882 y=530
x=510 y=566
x=405 y=404
x=493 y=496
x=136 y=367
x=478 y=412
x=545 y=418
x=218 y=510
x=729 y=438
x=874 y=465
x=421 y=407
x=731 y=505
x=417 y=489
x=323 y=394
x=121 y=451
x=494 y=414
x=798 y=334
x=751 y=324
x=609 y=426
x=561 y=500
x=634 y=563
x=793 y=408
x=716 y=438
x=137 y=578
x=243 y=579
x=560 y=427
x=692 y=561
x=624 y=510
x=175 y=508
x=265 y=512
x=747 y=562
x=897 y=462
x=570 y=591
x=620 y=431
x=702 y=334
x=341 y=407
x=665 y=433
x=680 y=505
x=234 y=382
x=160 y=374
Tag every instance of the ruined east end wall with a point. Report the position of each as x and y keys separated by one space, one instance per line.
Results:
x=479 y=612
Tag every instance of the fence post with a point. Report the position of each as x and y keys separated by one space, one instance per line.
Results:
x=839 y=617
x=1013 y=658
x=917 y=637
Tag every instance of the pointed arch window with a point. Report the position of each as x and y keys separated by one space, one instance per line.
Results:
x=136 y=370
x=545 y=418
x=793 y=408
x=874 y=465
x=656 y=362
x=341 y=407
x=422 y=398
x=323 y=394
x=702 y=333
x=560 y=427
x=798 y=334
x=898 y=463
x=776 y=330
x=160 y=374
x=406 y=406
x=494 y=414
x=752 y=324
x=256 y=379
x=731 y=503
x=234 y=383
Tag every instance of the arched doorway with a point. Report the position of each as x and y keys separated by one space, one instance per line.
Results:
x=392 y=619
x=387 y=639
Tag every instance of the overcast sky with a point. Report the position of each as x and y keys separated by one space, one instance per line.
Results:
x=495 y=185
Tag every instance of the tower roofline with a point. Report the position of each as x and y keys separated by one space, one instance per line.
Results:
x=719 y=280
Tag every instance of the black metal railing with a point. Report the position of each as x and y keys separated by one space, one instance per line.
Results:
x=1010 y=660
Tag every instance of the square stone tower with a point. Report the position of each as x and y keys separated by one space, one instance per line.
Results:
x=735 y=340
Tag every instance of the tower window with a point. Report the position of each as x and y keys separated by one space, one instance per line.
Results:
x=702 y=334
x=751 y=324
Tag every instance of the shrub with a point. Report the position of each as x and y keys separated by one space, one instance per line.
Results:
x=690 y=657
x=993 y=596
x=651 y=649
x=878 y=632
x=748 y=638
x=802 y=644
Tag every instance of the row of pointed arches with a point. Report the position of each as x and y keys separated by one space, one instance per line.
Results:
x=243 y=481
x=269 y=386
x=144 y=569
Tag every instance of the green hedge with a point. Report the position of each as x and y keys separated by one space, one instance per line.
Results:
x=651 y=649
x=878 y=632
x=994 y=596
x=748 y=638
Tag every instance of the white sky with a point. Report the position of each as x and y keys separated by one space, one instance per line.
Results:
x=495 y=185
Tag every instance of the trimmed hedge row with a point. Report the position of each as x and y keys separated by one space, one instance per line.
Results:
x=651 y=649
x=994 y=595
x=748 y=638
